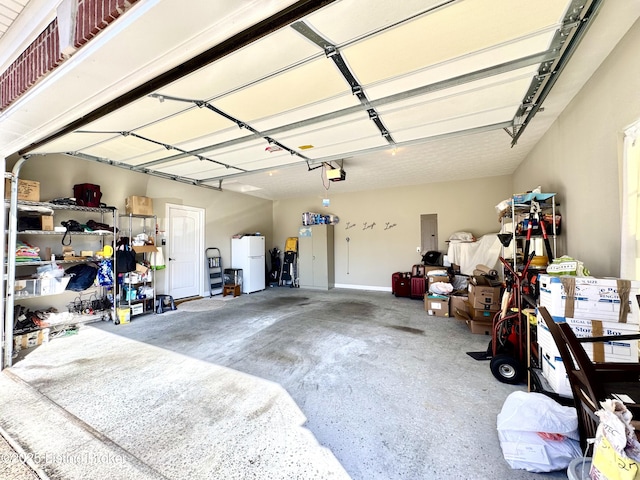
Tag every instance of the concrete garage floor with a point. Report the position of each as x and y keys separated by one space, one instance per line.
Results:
x=284 y=383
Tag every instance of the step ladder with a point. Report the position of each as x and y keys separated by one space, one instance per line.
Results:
x=214 y=266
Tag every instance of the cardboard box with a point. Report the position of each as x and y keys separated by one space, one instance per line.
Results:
x=47 y=223
x=480 y=327
x=145 y=248
x=613 y=351
x=458 y=307
x=436 y=306
x=484 y=297
x=555 y=373
x=482 y=314
x=135 y=205
x=593 y=298
x=27 y=190
x=482 y=280
x=31 y=339
x=137 y=309
x=431 y=268
x=431 y=279
x=142 y=269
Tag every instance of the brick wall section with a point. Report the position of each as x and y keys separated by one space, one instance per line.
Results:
x=43 y=55
x=95 y=15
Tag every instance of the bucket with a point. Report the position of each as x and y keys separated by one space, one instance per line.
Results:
x=124 y=315
x=579 y=469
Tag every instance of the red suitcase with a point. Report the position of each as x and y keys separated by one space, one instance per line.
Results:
x=394 y=278
x=418 y=287
x=402 y=286
x=418 y=271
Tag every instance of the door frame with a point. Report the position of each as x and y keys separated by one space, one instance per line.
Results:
x=424 y=239
x=201 y=242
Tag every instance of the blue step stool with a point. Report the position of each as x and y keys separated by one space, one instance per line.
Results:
x=164 y=303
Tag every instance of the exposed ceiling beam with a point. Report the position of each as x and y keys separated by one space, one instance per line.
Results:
x=332 y=52
x=425 y=89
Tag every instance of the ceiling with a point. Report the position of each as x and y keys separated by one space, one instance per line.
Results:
x=9 y=11
x=398 y=93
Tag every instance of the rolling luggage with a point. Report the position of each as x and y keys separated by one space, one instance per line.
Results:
x=418 y=271
x=418 y=287
x=394 y=278
x=402 y=285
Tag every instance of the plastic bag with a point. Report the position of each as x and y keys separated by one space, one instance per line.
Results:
x=616 y=452
x=537 y=434
x=105 y=273
x=441 y=288
x=157 y=260
x=82 y=277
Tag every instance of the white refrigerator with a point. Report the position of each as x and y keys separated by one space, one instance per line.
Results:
x=248 y=253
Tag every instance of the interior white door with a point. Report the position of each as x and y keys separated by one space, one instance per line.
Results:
x=429 y=232
x=185 y=250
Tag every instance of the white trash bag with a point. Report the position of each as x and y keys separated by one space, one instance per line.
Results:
x=538 y=434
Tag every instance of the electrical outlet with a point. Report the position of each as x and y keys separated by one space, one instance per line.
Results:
x=418 y=249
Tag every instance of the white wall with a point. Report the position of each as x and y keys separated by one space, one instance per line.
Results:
x=373 y=254
x=579 y=157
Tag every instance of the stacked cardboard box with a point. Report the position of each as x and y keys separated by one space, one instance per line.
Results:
x=27 y=190
x=435 y=275
x=592 y=307
x=137 y=205
x=483 y=304
x=459 y=306
x=437 y=305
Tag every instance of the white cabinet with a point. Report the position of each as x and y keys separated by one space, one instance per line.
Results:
x=316 y=265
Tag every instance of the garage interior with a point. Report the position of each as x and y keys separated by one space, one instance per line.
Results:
x=240 y=110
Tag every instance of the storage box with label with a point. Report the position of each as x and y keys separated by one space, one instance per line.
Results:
x=436 y=305
x=28 y=190
x=612 y=351
x=31 y=339
x=137 y=309
x=590 y=298
x=136 y=205
x=484 y=297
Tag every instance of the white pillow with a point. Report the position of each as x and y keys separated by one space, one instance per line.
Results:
x=462 y=237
